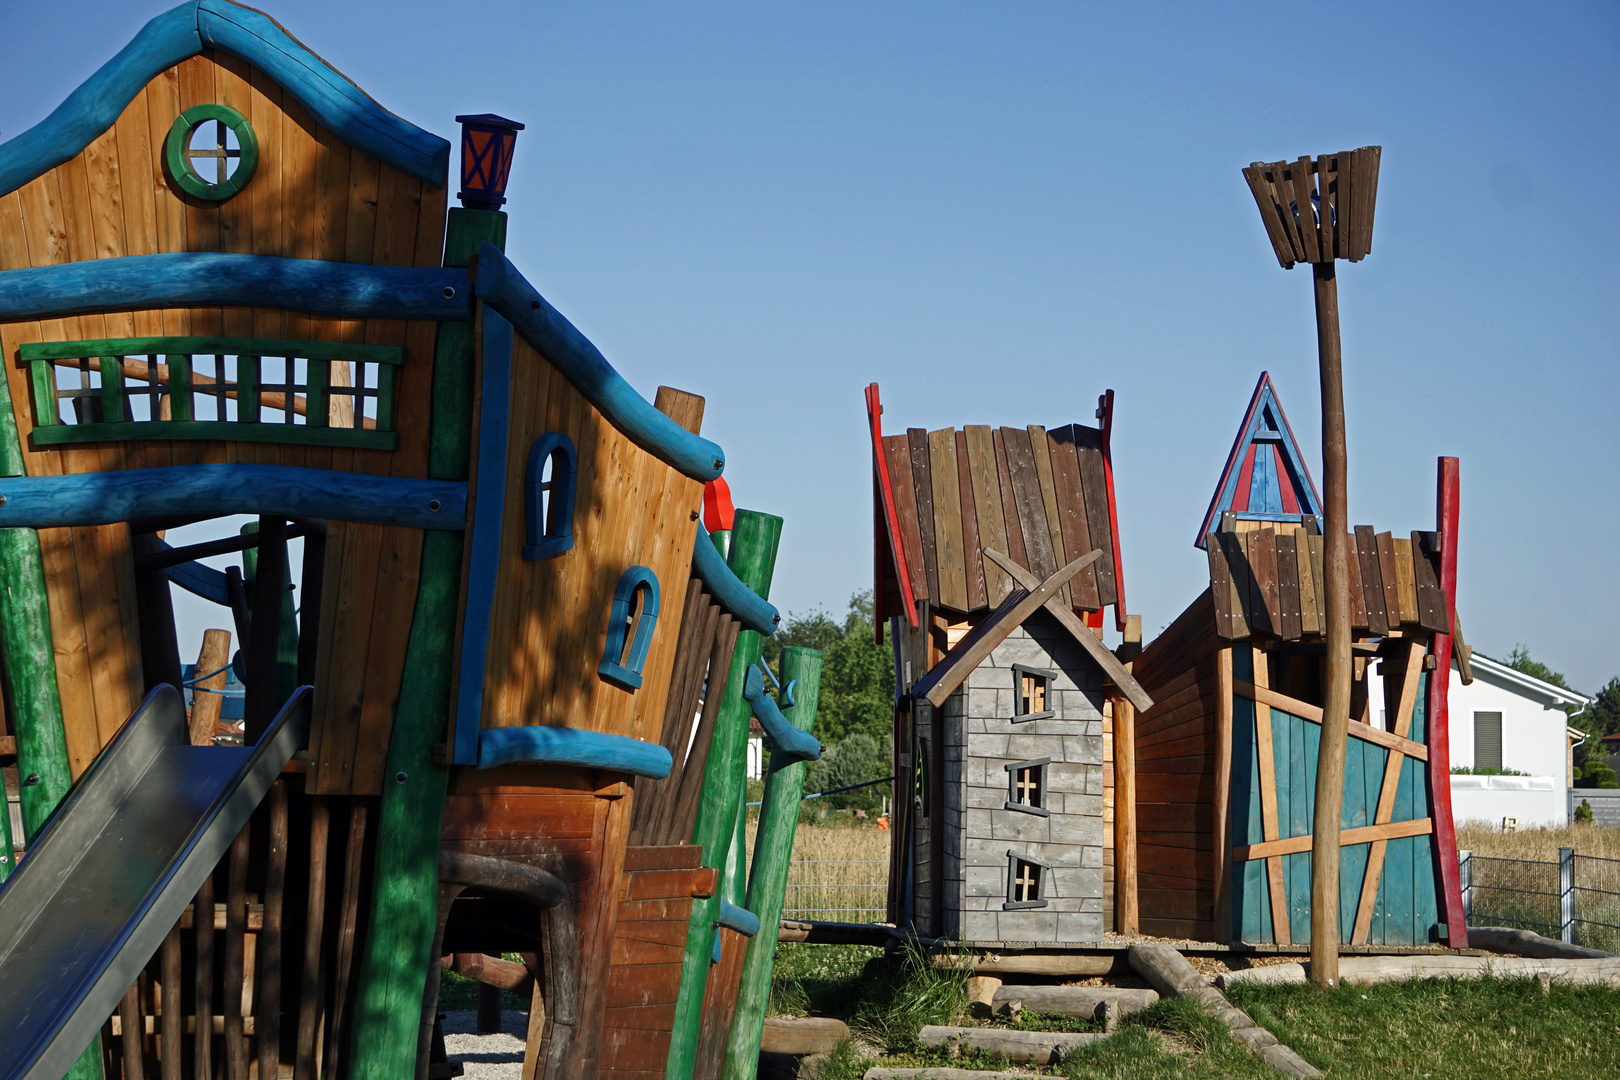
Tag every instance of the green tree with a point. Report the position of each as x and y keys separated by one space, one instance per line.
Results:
x=1521 y=660
x=1602 y=717
x=857 y=674
x=856 y=760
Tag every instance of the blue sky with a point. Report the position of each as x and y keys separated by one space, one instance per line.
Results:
x=999 y=211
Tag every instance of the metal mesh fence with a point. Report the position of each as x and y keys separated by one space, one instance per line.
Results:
x=845 y=890
x=1576 y=899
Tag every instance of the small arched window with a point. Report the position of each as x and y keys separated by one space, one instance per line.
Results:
x=630 y=628
x=548 y=486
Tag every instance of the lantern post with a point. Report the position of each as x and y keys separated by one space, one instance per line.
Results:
x=1318 y=211
x=486 y=159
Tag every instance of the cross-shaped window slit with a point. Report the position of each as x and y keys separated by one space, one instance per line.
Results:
x=1026 y=786
x=1032 y=692
x=223 y=152
x=1032 y=697
x=1026 y=883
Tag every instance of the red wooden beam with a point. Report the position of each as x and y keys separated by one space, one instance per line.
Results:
x=1445 y=833
x=874 y=415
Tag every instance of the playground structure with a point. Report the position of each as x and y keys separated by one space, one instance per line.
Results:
x=1226 y=758
x=996 y=554
x=230 y=285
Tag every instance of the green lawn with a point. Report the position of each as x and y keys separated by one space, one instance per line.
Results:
x=1464 y=1029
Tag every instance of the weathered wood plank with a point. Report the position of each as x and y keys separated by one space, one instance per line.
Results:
x=1296 y=845
x=1029 y=503
x=1015 y=533
x=972 y=553
x=1074 y=526
x=944 y=477
x=989 y=515
x=1405 y=580
x=1041 y=451
x=923 y=488
x=1372 y=580
x=1094 y=481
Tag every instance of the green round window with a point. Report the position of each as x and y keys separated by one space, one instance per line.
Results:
x=211 y=151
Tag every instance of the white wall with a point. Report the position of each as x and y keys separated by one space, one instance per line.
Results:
x=1531 y=800
x=1534 y=731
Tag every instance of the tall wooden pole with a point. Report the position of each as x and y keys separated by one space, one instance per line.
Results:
x=1336 y=702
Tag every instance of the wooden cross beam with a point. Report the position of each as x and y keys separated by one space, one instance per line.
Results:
x=1415 y=652
x=1116 y=671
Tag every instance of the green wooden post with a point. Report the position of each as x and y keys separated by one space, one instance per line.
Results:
x=287 y=641
x=767 y=880
x=30 y=662
x=405 y=896
x=754 y=539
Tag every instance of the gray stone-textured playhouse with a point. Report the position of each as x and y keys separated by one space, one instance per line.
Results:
x=996 y=554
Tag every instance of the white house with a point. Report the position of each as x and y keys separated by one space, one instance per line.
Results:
x=1509 y=720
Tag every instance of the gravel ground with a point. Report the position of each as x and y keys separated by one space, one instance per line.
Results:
x=486 y=1057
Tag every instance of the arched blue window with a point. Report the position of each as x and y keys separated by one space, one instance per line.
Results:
x=548 y=487
x=630 y=628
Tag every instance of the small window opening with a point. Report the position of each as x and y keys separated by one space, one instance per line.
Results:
x=214 y=152
x=1032 y=693
x=920 y=773
x=631 y=622
x=1026 y=882
x=549 y=496
x=1026 y=786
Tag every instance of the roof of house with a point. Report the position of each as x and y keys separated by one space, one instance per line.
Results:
x=1041 y=496
x=1548 y=694
x=1265 y=477
x=1266 y=580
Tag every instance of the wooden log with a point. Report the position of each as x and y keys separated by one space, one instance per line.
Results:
x=1528 y=943
x=812 y=1035
x=1075 y=1000
x=311 y=988
x=981 y=994
x=1166 y=969
x=1368 y=970
x=1036 y=1047
x=171 y=1038
x=936 y=1072
x=236 y=1055
x=1125 y=898
x=208 y=684
x=836 y=933
x=267 y=1009
x=131 y=1032
x=1057 y=964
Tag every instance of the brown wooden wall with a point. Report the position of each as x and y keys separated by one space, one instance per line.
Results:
x=311 y=197
x=649 y=949
x=550 y=620
x=1176 y=776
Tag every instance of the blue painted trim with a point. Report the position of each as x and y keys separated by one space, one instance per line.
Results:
x=184 y=32
x=331 y=99
x=502 y=287
x=1254 y=429
x=729 y=590
x=101 y=498
x=489 y=512
x=572 y=746
x=736 y=918
x=207 y=279
x=545 y=538
x=200 y=580
x=628 y=674
x=790 y=742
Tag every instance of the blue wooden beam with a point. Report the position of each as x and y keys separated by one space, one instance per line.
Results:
x=572 y=746
x=101 y=498
x=207 y=279
x=489 y=514
x=503 y=288
x=201 y=580
x=790 y=742
x=250 y=35
x=729 y=590
x=736 y=918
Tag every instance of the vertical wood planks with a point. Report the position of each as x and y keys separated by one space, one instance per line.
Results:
x=945 y=481
x=1237 y=565
x=1310 y=607
x=1028 y=503
x=1262 y=551
x=1265 y=743
x=897 y=453
x=1426 y=574
x=923 y=485
x=1288 y=602
x=1372 y=583
x=972 y=554
x=1405 y=580
x=990 y=516
x=1094 y=481
x=1387 y=576
x=1041 y=451
x=1074 y=524
x=1009 y=510
x=1220 y=586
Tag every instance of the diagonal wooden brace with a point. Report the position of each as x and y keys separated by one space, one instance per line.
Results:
x=1116 y=671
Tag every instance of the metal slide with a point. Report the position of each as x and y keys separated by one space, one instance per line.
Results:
x=113 y=869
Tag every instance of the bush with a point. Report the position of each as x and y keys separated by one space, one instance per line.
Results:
x=1598 y=775
x=1583 y=813
x=856 y=760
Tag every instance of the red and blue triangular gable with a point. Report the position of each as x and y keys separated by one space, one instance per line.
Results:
x=1265 y=478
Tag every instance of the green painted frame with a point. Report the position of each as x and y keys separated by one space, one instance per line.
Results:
x=49 y=430
x=177 y=158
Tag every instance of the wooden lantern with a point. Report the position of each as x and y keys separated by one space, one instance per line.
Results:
x=1341 y=191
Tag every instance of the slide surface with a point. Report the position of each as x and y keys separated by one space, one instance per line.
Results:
x=111 y=872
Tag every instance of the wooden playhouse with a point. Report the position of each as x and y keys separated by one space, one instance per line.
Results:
x=997 y=551
x=229 y=285
x=1225 y=758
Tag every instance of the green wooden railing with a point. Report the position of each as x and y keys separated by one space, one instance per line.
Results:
x=103 y=413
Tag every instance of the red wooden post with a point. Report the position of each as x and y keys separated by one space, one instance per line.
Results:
x=1445 y=835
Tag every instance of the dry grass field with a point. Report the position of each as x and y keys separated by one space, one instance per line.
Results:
x=839 y=874
x=1515 y=880
x=1539 y=845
